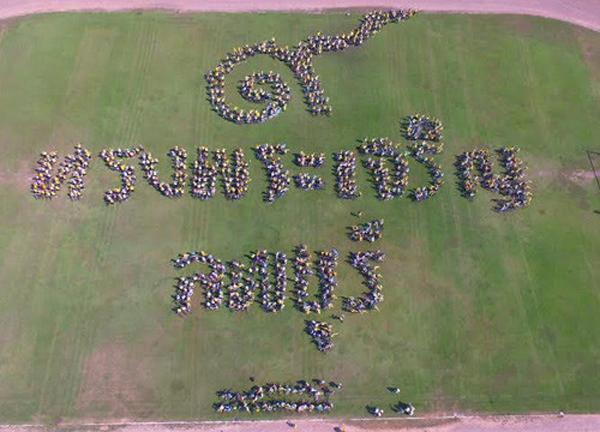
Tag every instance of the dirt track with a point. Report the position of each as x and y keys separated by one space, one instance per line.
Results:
x=583 y=12
x=525 y=423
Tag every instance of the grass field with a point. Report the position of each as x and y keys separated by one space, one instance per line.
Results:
x=482 y=312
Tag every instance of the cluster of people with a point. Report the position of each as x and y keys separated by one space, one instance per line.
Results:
x=178 y=157
x=345 y=175
x=387 y=184
x=273 y=397
x=265 y=281
x=278 y=178
x=277 y=99
x=299 y=60
x=422 y=152
x=212 y=282
x=372 y=280
x=204 y=176
x=302 y=271
x=419 y=127
x=271 y=296
x=321 y=334
x=112 y=159
x=512 y=184
x=326 y=271
x=46 y=185
x=310 y=160
x=308 y=182
x=326 y=265
x=404 y=408
x=368 y=231
x=235 y=176
x=375 y=411
x=241 y=290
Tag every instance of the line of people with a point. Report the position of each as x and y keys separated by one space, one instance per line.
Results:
x=273 y=397
x=299 y=60
x=345 y=175
x=309 y=160
x=46 y=185
x=308 y=182
x=368 y=231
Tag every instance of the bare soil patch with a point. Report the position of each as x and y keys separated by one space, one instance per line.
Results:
x=110 y=383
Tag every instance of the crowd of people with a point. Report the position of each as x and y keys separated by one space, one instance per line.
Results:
x=212 y=282
x=372 y=280
x=422 y=152
x=265 y=280
x=235 y=175
x=113 y=160
x=308 y=182
x=321 y=334
x=271 y=295
x=368 y=231
x=475 y=167
x=278 y=178
x=148 y=165
x=299 y=60
x=242 y=289
x=419 y=127
x=326 y=272
x=345 y=175
x=301 y=396
x=204 y=176
x=388 y=185
x=46 y=185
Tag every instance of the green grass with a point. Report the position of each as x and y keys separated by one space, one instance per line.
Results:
x=482 y=312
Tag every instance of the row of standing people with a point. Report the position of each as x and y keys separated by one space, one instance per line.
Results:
x=301 y=396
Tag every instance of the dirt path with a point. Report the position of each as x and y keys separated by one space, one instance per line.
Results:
x=583 y=12
x=512 y=423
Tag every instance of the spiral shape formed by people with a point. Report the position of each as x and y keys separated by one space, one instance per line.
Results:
x=299 y=61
